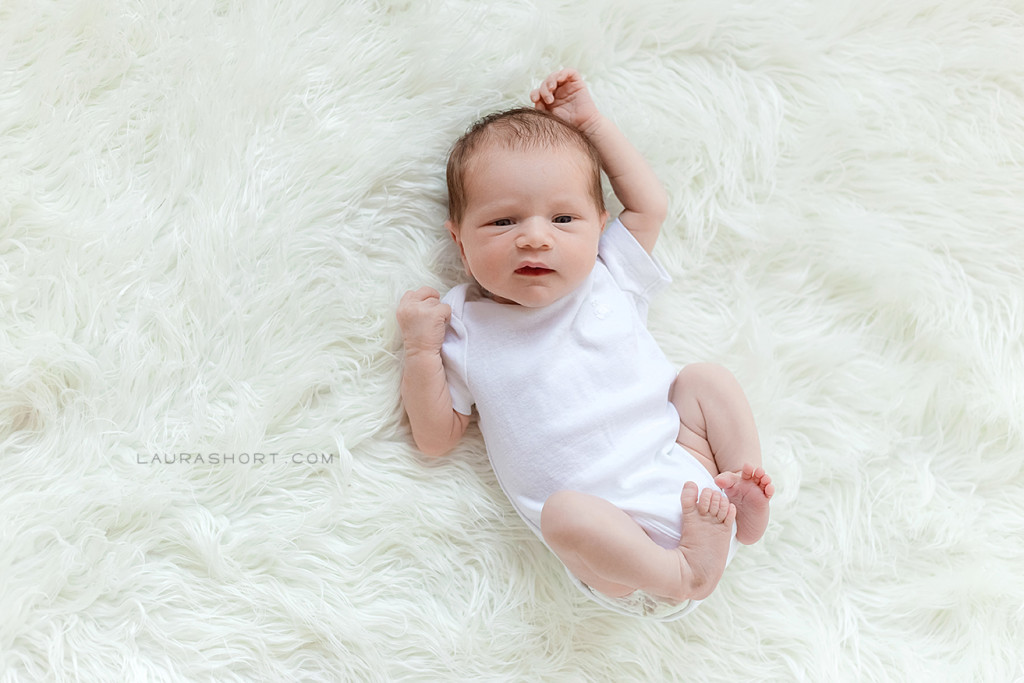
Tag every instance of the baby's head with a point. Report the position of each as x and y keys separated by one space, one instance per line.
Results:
x=525 y=205
x=517 y=129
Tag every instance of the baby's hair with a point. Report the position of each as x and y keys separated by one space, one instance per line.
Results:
x=516 y=129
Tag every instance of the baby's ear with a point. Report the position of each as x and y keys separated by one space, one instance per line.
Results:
x=453 y=230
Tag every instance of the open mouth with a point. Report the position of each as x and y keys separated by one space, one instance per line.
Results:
x=533 y=270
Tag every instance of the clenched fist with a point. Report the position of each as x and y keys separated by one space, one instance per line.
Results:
x=423 y=319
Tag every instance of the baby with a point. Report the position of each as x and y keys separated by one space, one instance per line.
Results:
x=640 y=479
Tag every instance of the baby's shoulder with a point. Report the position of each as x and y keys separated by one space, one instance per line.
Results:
x=456 y=297
x=459 y=295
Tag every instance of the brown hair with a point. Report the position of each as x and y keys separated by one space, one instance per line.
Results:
x=521 y=128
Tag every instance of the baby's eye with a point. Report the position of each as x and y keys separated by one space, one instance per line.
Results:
x=503 y=222
x=563 y=219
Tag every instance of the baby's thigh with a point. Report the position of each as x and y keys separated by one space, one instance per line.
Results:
x=694 y=392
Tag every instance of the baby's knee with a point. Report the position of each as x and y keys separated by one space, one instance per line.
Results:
x=706 y=378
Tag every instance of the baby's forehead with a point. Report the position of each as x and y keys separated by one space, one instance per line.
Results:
x=495 y=149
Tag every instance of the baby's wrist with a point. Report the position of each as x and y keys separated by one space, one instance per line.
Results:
x=418 y=350
x=592 y=126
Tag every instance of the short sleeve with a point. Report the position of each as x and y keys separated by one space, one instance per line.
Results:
x=633 y=269
x=453 y=353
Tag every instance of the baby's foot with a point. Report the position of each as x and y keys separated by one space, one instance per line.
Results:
x=706 y=534
x=750 y=489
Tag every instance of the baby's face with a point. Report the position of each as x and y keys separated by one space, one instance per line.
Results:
x=531 y=227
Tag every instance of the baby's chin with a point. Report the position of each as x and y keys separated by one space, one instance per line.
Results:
x=525 y=303
x=539 y=294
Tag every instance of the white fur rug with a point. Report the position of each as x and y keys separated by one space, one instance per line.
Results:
x=209 y=209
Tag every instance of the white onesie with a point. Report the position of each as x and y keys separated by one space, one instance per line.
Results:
x=575 y=395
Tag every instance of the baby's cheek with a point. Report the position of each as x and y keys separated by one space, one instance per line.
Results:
x=484 y=263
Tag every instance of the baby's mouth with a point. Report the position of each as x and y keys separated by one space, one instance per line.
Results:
x=533 y=271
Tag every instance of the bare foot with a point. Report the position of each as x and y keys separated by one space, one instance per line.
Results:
x=750 y=489
x=704 y=543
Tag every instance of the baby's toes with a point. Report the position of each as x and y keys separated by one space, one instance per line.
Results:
x=688 y=497
x=765 y=482
x=718 y=504
x=727 y=480
x=725 y=508
x=705 y=501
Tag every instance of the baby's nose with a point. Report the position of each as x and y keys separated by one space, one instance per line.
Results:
x=534 y=235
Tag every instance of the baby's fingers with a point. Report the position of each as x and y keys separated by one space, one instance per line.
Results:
x=563 y=76
x=545 y=92
x=542 y=96
x=414 y=301
x=446 y=312
x=421 y=294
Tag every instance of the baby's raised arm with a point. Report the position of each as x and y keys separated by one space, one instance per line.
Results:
x=436 y=426
x=643 y=198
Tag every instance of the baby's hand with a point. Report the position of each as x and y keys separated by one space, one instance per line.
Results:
x=565 y=95
x=423 y=319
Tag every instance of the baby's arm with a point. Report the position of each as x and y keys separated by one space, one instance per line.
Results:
x=436 y=426
x=643 y=198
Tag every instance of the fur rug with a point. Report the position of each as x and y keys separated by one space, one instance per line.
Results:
x=209 y=209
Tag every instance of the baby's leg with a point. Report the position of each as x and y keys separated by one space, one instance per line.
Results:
x=611 y=553
x=717 y=426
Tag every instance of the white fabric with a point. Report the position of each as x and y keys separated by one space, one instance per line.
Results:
x=575 y=395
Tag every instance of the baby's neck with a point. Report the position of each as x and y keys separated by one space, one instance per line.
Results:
x=498 y=299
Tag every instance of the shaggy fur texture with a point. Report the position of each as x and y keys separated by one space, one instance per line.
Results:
x=209 y=209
